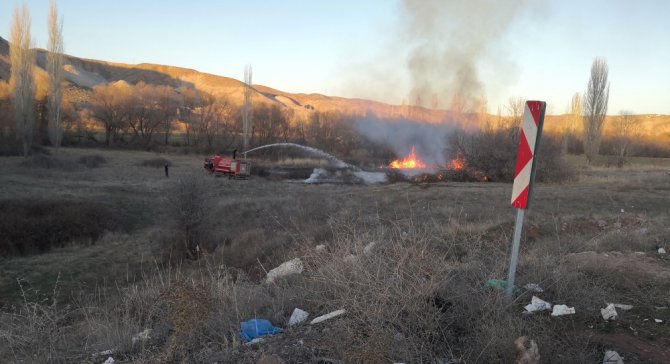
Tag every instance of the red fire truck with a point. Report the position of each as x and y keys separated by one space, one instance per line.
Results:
x=233 y=168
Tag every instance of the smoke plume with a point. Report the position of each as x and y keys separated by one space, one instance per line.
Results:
x=449 y=40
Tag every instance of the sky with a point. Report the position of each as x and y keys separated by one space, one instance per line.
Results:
x=361 y=48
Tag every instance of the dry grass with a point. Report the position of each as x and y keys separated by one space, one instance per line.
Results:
x=416 y=297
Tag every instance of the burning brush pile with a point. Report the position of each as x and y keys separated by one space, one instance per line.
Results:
x=413 y=169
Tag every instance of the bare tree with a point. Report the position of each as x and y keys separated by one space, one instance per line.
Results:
x=626 y=127
x=110 y=105
x=247 y=109
x=595 y=108
x=515 y=108
x=574 y=116
x=55 y=72
x=21 y=77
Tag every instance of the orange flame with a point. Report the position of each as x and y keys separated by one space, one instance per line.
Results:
x=456 y=164
x=409 y=162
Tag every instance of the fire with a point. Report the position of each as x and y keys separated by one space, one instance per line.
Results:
x=456 y=164
x=409 y=162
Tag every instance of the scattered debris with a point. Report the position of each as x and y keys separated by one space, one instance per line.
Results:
x=500 y=285
x=621 y=306
x=609 y=312
x=142 y=336
x=526 y=351
x=612 y=357
x=298 y=316
x=658 y=321
x=534 y=287
x=287 y=268
x=255 y=328
x=368 y=248
x=104 y=353
x=328 y=316
x=109 y=360
x=255 y=341
x=561 y=310
x=661 y=250
x=537 y=304
x=320 y=248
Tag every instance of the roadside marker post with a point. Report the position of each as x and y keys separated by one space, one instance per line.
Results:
x=524 y=176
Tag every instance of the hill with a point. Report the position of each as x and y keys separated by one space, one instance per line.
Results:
x=84 y=74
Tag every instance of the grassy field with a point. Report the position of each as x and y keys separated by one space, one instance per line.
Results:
x=415 y=295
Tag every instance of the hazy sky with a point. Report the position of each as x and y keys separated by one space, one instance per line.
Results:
x=357 y=48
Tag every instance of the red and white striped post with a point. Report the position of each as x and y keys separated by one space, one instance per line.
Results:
x=524 y=175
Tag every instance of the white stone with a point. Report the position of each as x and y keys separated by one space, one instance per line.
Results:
x=109 y=360
x=609 y=312
x=561 y=310
x=661 y=250
x=320 y=248
x=328 y=316
x=658 y=321
x=287 y=268
x=298 y=316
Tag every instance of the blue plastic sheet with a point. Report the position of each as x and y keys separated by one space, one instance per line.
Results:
x=254 y=328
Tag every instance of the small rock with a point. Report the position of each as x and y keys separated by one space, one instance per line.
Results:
x=526 y=351
x=109 y=360
x=661 y=250
x=328 y=316
x=320 y=248
x=658 y=321
x=612 y=357
x=287 y=268
x=609 y=312
x=298 y=316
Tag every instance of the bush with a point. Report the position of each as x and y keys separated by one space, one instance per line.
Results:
x=31 y=226
x=92 y=160
x=190 y=205
x=155 y=162
x=10 y=147
x=49 y=162
x=493 y=154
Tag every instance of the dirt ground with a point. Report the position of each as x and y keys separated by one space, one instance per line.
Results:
x=609 y=223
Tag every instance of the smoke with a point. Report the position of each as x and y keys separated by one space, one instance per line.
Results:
x=448 y=42
x=429 y=140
